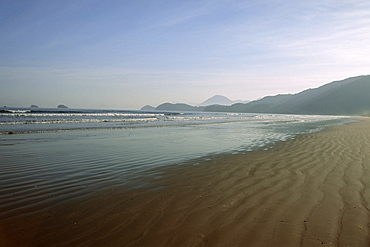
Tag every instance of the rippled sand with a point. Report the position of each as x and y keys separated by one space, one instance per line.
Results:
x=311 y=191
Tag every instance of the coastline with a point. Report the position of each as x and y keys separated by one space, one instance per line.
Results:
x=313 y=190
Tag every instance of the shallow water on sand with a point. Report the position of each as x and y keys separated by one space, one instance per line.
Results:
x=48 y=168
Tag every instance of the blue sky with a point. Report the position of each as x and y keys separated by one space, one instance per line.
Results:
x=129 y=53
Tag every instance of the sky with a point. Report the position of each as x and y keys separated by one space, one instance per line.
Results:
x=129 y=53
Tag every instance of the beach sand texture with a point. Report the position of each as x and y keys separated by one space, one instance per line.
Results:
x=310 y=191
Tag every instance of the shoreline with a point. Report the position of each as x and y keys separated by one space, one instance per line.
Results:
x=313 y=190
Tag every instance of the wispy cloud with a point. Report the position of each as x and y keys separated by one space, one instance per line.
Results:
x=241 y=47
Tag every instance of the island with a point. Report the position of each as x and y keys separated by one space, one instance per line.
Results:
x=148 y=108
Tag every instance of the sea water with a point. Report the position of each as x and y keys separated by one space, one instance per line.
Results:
x=50 y=155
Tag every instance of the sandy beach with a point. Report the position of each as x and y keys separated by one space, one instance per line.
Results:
x=310 y=191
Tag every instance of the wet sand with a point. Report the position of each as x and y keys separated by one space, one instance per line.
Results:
x=310 y=191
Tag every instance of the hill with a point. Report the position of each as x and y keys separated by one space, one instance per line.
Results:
x=346 y=97
x=214 y=100
x=178 y=107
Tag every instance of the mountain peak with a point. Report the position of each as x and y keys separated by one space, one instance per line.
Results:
x=220 y=100
x=217 y=100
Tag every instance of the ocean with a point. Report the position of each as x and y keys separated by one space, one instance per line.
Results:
x=52 y=155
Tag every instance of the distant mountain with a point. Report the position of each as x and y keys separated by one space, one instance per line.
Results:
x=148 y=108
x=178 y=107
x=216 y=100
x=346 y=97
x=219 y=100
